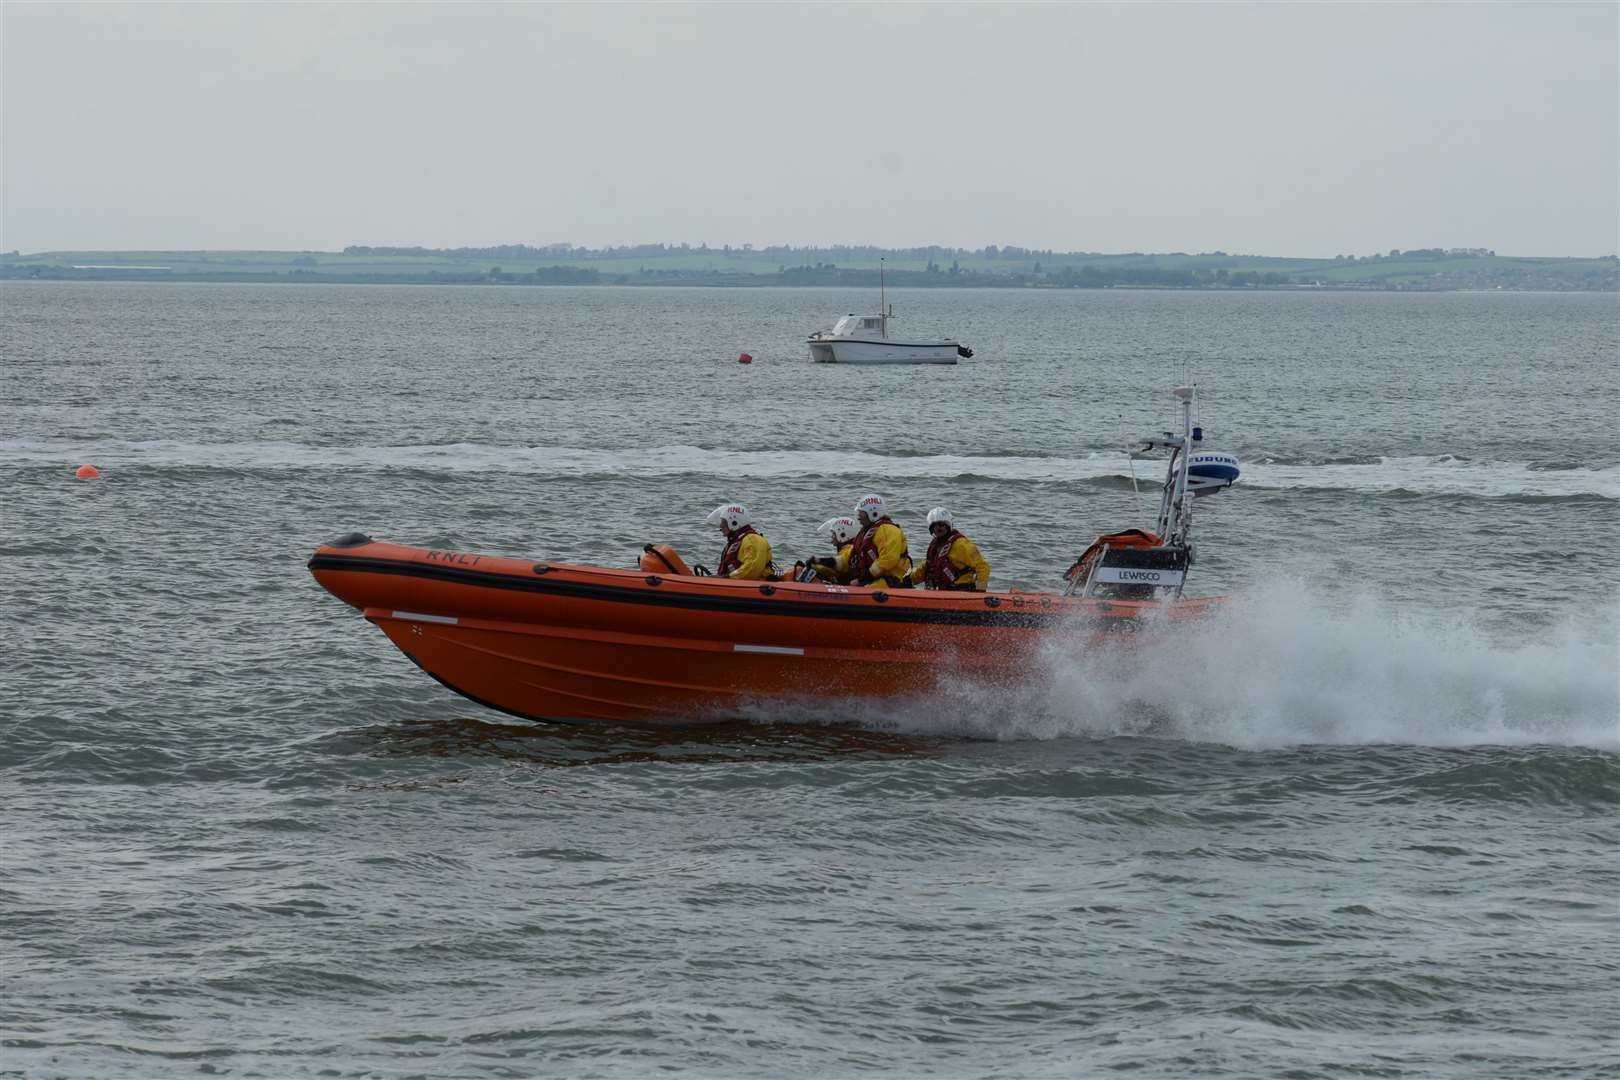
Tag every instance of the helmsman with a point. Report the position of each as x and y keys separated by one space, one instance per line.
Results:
x=842 y=530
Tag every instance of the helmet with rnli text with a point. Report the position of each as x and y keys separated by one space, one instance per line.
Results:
x=939 y=516
x=843 y=529
x=871 y=506
x=730 y=517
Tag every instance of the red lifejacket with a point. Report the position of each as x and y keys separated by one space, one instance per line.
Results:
x=938 y=573
x=730 y=558
x=861 y=553
x=864 y=551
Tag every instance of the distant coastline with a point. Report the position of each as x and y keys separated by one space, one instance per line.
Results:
x=1423 y=270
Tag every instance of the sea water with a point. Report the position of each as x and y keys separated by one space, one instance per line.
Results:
x=1364 y=823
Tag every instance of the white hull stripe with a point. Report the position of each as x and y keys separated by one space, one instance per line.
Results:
x=773 y=650
x=413 y=616
x=885 y=344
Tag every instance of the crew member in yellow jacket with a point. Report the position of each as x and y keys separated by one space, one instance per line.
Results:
x=836 y=569
x=879 y=557
x=747 y=554
x=953 y=561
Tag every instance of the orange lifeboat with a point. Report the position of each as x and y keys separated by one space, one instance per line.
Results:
x=659 y=646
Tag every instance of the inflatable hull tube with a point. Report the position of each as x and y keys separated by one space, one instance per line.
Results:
x=551 y=641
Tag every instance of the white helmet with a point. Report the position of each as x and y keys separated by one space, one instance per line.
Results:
x=730 y=516
x=843 y=529
x=938 y=515
x=871 y=506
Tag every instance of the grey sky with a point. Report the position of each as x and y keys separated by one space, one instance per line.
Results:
x=1282 y=129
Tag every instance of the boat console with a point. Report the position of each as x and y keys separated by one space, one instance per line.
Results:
x=1115 y=571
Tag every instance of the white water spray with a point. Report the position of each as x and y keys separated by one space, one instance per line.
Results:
x=1292 y=666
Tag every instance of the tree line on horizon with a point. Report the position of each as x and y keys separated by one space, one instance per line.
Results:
x=932 y=267
x=928 y=254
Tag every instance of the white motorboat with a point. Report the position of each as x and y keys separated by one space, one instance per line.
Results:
x=865 y=339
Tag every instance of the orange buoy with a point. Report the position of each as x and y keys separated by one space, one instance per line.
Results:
x=745 y=358
x=87 y=472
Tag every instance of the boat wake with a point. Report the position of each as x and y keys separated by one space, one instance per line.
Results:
x=1291 y=667
x=1427 y=475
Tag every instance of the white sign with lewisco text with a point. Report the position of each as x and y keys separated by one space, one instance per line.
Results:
x=1129 y=575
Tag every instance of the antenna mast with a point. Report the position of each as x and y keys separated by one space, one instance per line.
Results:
x=883 y=307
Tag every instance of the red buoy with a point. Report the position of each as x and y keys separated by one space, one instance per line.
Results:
x=87 y=472
x=745 y=358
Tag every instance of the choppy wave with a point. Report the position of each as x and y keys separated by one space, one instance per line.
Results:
x=1425 y=475
x=1294 y=666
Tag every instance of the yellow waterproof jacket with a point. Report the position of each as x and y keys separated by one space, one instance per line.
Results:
x=890 y=565
x=964 y=555
x=838 y=573
x=753 y=559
